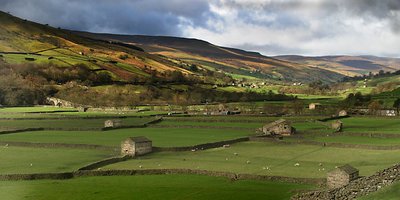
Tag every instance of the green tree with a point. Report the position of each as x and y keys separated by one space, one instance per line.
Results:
x=396 y=105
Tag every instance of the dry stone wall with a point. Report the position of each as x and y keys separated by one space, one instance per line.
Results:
x=357 y=188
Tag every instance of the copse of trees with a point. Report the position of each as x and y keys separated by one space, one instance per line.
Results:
x=356 y=100
x=380 y=74
x=16 y=91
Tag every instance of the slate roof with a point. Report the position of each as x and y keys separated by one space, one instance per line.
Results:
x=281 y=121
x=348 y=169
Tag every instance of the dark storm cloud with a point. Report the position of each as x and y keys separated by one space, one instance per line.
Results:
x=152 y=17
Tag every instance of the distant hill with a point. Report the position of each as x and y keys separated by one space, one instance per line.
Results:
x=348 y=65
x=229 y=60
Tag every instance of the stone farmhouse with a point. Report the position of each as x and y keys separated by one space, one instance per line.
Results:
x=136 y=146
x=314 y=106
x=279 y=127
x=341 y=176
x=342 y=113
x=113 y=123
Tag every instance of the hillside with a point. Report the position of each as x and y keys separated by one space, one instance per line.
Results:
x=239 y=63
x=348 y=65
x=44 y=44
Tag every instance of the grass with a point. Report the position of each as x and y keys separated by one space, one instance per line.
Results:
x=212 y=124
x=388 y=193
x=19 y=159
x=69 y=123
x=269 y=159
x=372 y=125
x=174 y=187
x=359 y=140
x=35 y=109
x=163 y=137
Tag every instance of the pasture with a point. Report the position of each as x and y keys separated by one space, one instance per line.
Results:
x=267 y=158
x=162 y=137
x=25 y=160
x=148 y=187
x=291 y=157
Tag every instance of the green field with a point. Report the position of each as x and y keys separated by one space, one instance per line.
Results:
x=389 y=193
x=359 y=140
x=163 y=137
x=23 y=160
x=261 y=158
x=372 y=125
x=268 y=159
x=70 y=123
x=148 y=187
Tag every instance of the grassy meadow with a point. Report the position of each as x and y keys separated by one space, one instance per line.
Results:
x=148 y=187
x=267 y=158
x=25 y=160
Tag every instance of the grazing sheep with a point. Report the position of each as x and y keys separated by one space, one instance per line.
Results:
x=236 y=154
x=297 y=164
x=248 y=162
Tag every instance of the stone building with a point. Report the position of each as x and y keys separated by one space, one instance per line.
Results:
x=337 y=126
x=341 y=176
x=342 y=113
x=314 y=106
x=82 y=109
x=136 y=146
x=114 y=123
x=280 y=127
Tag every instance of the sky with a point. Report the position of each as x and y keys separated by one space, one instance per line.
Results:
x=272 y=27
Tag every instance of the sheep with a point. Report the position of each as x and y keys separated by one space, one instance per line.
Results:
x=236 y=154
x=297 y=164
x=248 y=162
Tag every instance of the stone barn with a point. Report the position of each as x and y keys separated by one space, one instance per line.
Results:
x=82 y=109
x=114 y=123
x=314 y=106
x=342 y=113
x=341 y=176
x=337 y=126
x=280 y=127
x=136 y=146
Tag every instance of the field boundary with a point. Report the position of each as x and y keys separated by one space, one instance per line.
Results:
x=326 y=144
x=204 y=146
x=360 y=187
x=57 y=145
x=202 y=127
x=90 y=173
x=19 y=130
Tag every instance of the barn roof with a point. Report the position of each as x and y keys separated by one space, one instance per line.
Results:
x=281 y=121
x=348 y=169
x=138 y=139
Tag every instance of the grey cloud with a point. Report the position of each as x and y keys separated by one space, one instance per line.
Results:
x=152 y=17
x=379 y=9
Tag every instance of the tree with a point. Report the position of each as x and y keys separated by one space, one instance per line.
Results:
x=297 y=106
x=396 y=105
x=374 y=107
